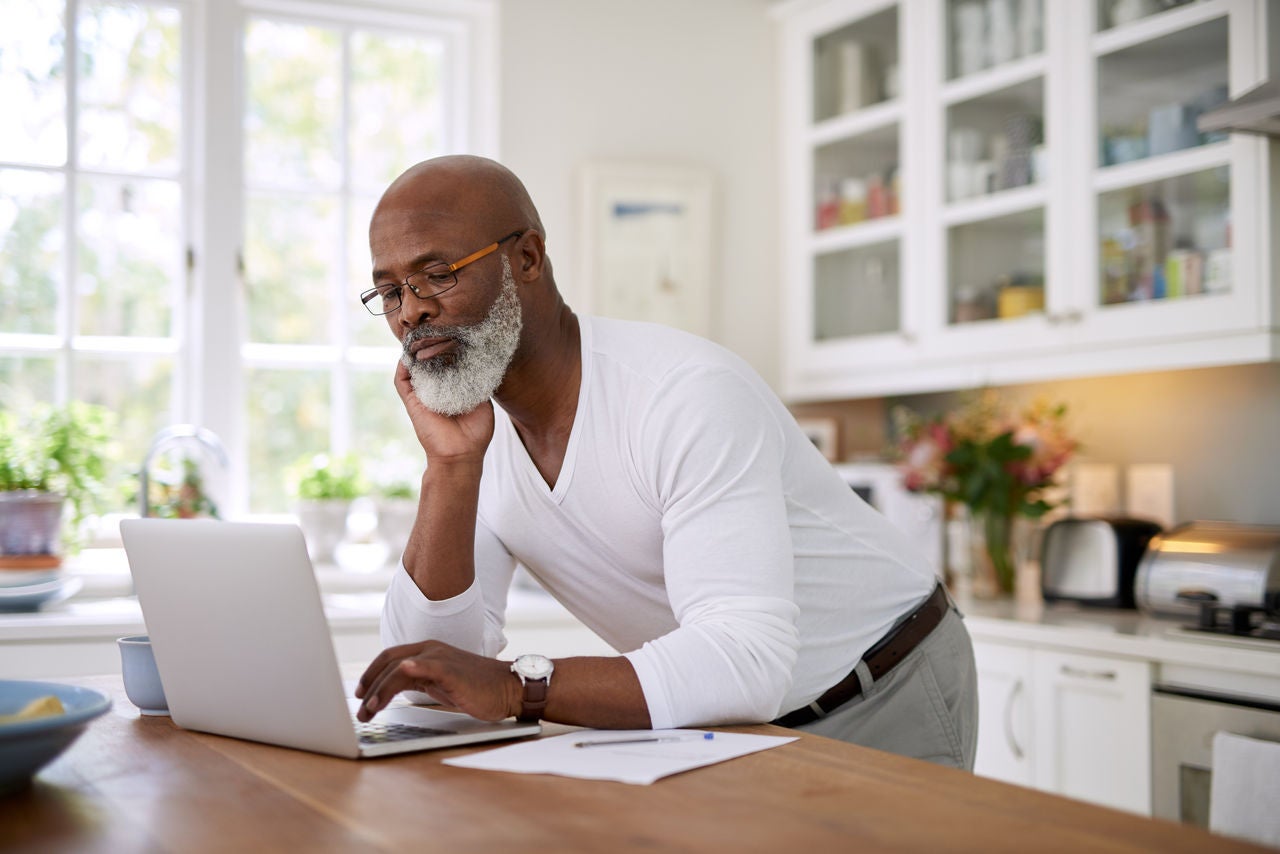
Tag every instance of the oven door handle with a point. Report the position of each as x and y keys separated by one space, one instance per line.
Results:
x=1009 y=736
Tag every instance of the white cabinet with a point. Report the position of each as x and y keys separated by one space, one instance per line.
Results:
x=1069 y=723
x=1093 y=728
x=990 y=191
x=1004 y=719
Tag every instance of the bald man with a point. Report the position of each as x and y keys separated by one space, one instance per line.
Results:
x=653 y=483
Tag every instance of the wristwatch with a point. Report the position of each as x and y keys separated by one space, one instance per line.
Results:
x=535 y=675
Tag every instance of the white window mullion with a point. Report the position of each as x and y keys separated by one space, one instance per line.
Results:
x=67 y=319
x=218 y=326
x=340 y=404
x=185 y=385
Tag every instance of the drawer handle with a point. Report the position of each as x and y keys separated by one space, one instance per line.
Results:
x=1077 y=673
x=1009 y=737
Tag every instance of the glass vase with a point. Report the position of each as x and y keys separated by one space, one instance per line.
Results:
x=998 y=543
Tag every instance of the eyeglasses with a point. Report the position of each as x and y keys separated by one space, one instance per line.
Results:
x=427 y=282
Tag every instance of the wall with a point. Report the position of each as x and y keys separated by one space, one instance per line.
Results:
x=666 y=81
x=1218 y=427
x=693 y=82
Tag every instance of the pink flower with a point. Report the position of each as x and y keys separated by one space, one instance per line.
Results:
x=925 y=458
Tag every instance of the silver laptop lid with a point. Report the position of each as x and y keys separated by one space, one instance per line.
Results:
x=239 y=631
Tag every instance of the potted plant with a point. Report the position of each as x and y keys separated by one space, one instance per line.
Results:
x=50 y=457
x=181 y=494
x=324 y=487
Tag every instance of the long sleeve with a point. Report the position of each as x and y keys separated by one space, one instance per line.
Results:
x=473 y=620
x=727 y=556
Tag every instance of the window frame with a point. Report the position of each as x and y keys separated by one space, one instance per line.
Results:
x=206 y=342
x=65 y=346
x=218 y=334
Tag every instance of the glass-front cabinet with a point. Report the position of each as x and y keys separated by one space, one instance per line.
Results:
x=1010 y=190
x=1175 y=216
x=845 y=196
x=997 y=145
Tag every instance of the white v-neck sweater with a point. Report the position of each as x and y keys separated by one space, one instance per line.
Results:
x=693 y=526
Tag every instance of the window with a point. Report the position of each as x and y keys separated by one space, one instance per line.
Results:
x=183 y=212
x=94 y=195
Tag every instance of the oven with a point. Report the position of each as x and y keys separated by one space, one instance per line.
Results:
x=1183 y=723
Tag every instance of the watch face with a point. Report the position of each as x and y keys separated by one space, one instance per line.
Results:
x=533 y=666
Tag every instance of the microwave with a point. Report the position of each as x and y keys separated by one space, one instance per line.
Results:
x=916 y=514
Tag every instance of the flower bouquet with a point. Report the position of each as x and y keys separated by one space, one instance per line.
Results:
x=994 y=461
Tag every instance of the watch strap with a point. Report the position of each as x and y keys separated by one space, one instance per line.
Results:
x=534 y=700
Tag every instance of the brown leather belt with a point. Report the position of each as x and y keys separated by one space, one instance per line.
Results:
x=880 y=659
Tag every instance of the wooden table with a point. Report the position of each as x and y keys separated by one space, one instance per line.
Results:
x=141 y=784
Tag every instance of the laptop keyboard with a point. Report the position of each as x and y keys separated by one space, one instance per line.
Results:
x=378 y=733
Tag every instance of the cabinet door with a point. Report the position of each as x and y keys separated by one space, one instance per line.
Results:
x=1093 y=728
x=1004 y=722
x=1176 y=218
x=845 y=84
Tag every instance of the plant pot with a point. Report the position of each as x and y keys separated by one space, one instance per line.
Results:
x=30 y=529
x=324 y=524
x=395 y=522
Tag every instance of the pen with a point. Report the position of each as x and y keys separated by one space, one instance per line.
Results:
x=605 y=742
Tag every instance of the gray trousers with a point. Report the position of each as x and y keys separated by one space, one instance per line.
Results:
x=926 y=707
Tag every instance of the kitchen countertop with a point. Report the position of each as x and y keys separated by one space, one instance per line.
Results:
x=104 y=610
x=134 y=783
x=1182 y=657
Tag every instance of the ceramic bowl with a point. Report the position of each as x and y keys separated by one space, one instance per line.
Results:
x=27 y=746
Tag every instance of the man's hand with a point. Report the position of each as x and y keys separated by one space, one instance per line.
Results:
x=484 y=688
x=444 y=438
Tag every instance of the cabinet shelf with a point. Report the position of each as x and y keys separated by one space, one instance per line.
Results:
x=1158 y=26
x=1158 y=168
x=853 y=236
x=1066 y=194
x=854 y=124
x=1003 y=203
x=993 y=80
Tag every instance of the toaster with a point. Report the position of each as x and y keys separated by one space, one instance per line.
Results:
x=1210 y=563
x=1093 y=560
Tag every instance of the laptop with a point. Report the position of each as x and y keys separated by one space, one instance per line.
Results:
x=243 y=647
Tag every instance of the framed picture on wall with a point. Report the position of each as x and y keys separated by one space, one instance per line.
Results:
x=825 y=435
x=647 y=244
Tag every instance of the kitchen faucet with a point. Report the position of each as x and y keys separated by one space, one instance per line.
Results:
x=168 y=436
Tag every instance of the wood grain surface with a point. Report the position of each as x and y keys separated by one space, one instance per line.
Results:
x=135 y=783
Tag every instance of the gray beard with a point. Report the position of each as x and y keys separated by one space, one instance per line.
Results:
x=454 y=383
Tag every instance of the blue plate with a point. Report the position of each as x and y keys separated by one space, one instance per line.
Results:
x=33 y=597
x=27 y=746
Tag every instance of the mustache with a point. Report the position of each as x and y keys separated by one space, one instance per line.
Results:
x=429 y=331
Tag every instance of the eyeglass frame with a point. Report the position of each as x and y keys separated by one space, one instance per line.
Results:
x=367 y=296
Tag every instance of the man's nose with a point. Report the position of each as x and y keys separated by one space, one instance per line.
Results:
x=415 y=309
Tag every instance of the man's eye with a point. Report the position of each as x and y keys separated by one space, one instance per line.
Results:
x=390 y=293
x=438 y=279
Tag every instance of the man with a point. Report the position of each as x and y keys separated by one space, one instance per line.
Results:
x=654 y=485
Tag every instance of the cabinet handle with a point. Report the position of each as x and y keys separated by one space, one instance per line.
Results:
x=1009 y=737
x=1077 y=673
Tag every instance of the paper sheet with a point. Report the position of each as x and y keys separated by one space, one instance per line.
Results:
x=650 y=754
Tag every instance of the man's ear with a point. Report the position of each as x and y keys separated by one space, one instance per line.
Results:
x=530 y=257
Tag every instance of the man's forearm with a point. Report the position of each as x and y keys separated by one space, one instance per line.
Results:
x=440 y=555
x=596 y=692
